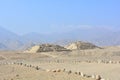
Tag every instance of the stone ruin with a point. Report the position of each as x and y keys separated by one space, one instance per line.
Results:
x=46 y=48
x=79 y=45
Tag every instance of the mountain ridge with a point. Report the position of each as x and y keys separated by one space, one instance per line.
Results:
x=98 y=36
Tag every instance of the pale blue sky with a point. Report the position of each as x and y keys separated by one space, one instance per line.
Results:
x=49 y=16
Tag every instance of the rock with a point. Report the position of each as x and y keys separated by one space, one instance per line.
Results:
x=98 y=77
x=110 y=62
x=54 y=71
x=37 y=68
x=93 y=76
x=83 y=75
x=64 y=70
x=69 y=72
x=76 y=72
x=58 y=70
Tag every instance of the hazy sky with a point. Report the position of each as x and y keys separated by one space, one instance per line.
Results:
x=48 y=16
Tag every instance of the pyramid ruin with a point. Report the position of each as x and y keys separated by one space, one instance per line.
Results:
x=46 y=48
x=79 y=45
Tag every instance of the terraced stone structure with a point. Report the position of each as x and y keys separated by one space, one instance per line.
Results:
x=79 y=45
x=46 y=48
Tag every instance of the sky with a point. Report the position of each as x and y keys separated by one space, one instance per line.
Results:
x=57 y=16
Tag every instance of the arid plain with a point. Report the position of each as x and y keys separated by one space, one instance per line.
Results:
x=86 y=64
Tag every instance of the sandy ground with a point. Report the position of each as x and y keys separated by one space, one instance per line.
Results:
x=107 y=71
x=16 y=72
x=53 y=60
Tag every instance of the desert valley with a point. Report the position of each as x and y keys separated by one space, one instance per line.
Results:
x=75 y=61
x=59 y=39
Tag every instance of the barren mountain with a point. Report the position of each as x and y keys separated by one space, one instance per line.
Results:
x=10 y=40
x=98 y=36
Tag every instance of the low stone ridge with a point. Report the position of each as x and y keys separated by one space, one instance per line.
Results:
x=46 y=48
x=79 y=45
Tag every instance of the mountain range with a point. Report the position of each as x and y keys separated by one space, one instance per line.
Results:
x=98 y=36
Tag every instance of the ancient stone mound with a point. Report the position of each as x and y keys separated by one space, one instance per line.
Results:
x=46 y=48
x=79 y=45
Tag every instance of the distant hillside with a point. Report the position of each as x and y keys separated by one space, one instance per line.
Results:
x=2 y=47
x=9 y=40
x=98 y=36
x=109 y=39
